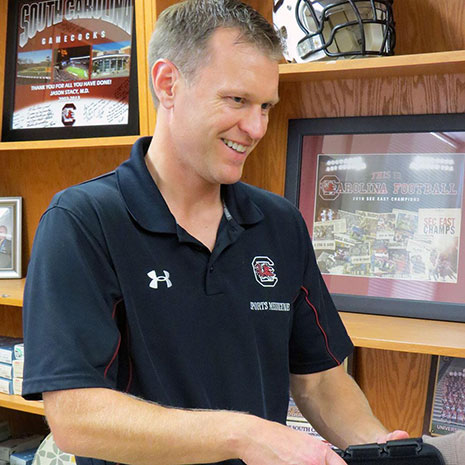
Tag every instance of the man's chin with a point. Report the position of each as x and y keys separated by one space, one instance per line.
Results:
x=231 y=175
x=232 y=179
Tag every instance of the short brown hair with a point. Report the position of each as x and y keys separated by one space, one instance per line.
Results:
x=183 y=30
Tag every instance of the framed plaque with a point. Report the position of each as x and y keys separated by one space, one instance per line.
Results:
x=383 y=198
x=446 y=396
x=71 y=70
x=10 y=237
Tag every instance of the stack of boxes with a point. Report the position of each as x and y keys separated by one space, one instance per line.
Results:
x=19 y=451
x=11 y=365
x=14 y=450
x=18 y=368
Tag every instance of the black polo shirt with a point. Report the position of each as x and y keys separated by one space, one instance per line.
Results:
x=119 y=296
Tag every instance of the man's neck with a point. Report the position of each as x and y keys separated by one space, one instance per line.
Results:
x=195 y=204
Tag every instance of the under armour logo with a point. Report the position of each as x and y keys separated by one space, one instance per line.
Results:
x=159 y=279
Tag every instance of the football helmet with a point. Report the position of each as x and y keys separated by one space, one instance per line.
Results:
x=329 y=29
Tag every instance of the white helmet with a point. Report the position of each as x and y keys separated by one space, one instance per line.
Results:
x=328 y=29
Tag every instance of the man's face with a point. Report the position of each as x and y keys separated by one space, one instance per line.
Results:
x=221 y=116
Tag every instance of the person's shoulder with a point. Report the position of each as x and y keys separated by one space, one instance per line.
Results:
x=267 y=200
x=95 y=194
x=97 y=189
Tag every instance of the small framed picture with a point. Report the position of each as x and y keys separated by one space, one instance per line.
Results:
x=10 y=237
x=446 y=396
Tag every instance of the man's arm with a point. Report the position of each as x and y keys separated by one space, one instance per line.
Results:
x=113 y=426
x=337 y=408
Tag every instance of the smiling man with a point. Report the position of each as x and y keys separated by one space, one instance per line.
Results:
x=169 y=307
x=207 y=126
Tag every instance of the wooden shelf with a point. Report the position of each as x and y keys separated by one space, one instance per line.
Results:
x=406 y=334
x=402 y=65
x=95 y=142
x=18 y=403
x=370 y=331
x=11 y=292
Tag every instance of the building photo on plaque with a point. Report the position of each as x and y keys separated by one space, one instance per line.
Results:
x=73 y=69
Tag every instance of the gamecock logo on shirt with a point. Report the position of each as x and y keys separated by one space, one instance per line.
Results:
x=263 y=268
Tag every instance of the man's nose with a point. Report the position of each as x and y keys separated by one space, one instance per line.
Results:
x=254 y=123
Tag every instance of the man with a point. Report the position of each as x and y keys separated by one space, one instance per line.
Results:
x=5 y=248
x=215 y=294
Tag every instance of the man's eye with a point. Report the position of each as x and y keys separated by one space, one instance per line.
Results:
x=237 y=99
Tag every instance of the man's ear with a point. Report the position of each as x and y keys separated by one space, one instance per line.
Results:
x=164 y=77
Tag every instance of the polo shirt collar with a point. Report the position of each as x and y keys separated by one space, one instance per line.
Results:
x=239 y=204
x=148 y=207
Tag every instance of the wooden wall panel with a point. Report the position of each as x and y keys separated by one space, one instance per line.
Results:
x=36 y=175
x=161 y=5
x=145 y=113
x=263 y=7
x=24 y=423
x=11 y=321
x=396 y=385
x=150 y=15
x=429 y=26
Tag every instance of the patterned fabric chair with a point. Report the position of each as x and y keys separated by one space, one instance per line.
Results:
x=49 y=454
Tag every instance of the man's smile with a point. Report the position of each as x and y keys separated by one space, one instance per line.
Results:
x=235 y=146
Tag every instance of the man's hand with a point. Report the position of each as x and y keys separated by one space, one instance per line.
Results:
x=392 y=436
x=274 y=444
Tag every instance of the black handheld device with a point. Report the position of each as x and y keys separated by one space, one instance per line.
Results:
x=399 y=452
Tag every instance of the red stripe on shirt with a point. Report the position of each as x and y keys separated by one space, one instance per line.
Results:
x=323 y=332
x=110 y=363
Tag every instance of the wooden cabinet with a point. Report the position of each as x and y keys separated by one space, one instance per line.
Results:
x=427 y=75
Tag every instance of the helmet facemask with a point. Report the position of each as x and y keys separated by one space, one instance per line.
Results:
x=328 y=29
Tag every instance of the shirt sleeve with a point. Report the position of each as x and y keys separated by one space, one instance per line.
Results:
x=319 y=340
x=70 y=333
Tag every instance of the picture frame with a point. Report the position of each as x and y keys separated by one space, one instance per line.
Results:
x=73 y=70
x=384 y=182
x=445 y=407
x=10 y=237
